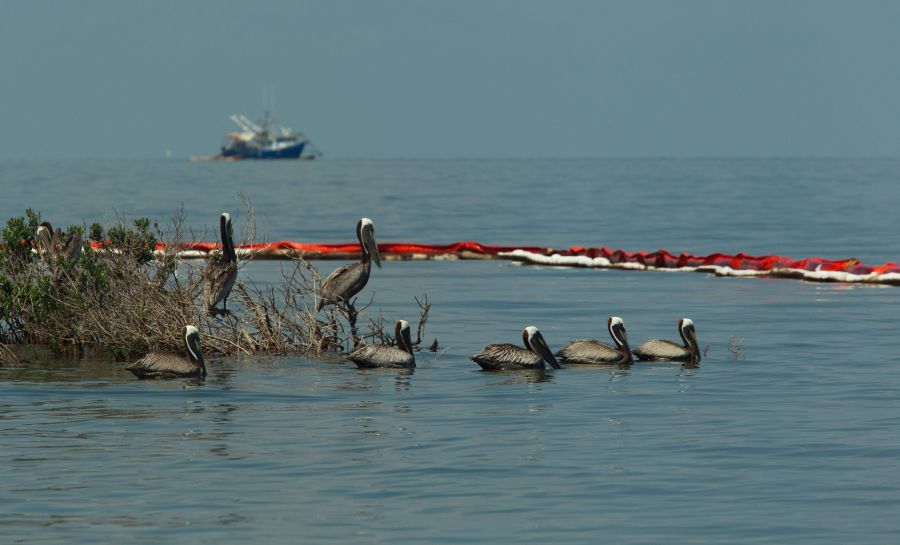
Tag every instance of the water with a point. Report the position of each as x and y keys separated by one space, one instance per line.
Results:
x=794 y=440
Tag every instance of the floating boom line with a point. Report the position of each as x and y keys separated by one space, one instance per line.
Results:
x=812 y=269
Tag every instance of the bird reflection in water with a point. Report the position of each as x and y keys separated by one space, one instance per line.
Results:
x=530 y=376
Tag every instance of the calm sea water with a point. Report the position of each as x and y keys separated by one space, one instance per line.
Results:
x=796 y=439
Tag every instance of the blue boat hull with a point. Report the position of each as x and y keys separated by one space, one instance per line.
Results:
x=246 y=152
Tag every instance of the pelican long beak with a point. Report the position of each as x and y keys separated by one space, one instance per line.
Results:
x=539 y=346
x=370 y=245
x=227 y=234
x=627 y=349
x=403 y=336
x=192 y=340
x=691 y=334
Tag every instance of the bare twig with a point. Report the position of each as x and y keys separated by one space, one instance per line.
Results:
x=7 y=355
x=424 y=307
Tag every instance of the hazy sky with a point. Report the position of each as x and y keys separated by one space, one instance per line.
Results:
x=118 y=79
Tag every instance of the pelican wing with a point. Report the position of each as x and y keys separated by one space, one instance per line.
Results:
x=220 y=278
x=345 y=282
x=370 y=356
x=164 y=365
x=590 y=352
x=498 y=357
x=73 y=246
x=662 y=350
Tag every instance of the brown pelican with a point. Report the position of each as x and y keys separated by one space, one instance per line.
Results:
x=171 y=365
x=507 y=357
x=54 y=245
x=220 y=275
x=662 y=350
x=593 y=352
x=45 y=239
x=347 y=281
x=381 y=355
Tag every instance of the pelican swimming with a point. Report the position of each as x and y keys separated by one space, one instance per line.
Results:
x=172 y=365
x=507 y=357
x=592 y=352
x=348 y=280
x=220 y=275
x=381 y=355
x=663 y=350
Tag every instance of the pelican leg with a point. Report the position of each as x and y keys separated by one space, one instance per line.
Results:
x=216 y=312
x=352 y=314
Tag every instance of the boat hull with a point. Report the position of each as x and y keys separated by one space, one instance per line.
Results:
x=292 y=151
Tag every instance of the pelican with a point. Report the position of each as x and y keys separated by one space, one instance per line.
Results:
x=507 y=357
x=662 y=350
x=593 y=352
x=382 y=355
x=347 y=281
x=45 y=239
x=56 y=244
x=171 y=365
x=220 y=275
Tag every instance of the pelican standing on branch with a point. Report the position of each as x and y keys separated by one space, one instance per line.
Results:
x=592 y=352
x=220 y=275
x=382 y=355
x=45 y=240
x=508 y=357
x=171 y=365
x=54 y=246
x=663 y=350
x=348 y=280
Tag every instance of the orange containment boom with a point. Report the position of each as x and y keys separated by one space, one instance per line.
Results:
x=813 y=268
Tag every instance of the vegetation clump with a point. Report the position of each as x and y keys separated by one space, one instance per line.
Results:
x=123 y=292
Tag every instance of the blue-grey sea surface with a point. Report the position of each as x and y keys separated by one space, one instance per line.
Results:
x=787 y=432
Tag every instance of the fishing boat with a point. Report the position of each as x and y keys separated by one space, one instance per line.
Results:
x=264 y=139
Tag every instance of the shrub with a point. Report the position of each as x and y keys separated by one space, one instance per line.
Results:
x=128 y=297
